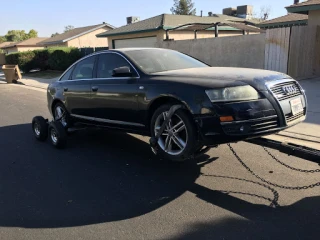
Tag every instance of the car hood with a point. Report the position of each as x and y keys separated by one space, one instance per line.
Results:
x=223 y=76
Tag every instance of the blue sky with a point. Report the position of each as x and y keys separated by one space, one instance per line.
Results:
x=48 y=17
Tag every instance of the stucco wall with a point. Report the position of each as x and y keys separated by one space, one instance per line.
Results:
x=176 y=35
x=90 y=40
x=58 y=45
x=314 y=18
x=237 y=51
x=2 y=58
x=24 y=49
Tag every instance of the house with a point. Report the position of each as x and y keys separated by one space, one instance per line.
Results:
x=80 y=37
x=148 y=32
x=310 y=8
x=291 y=19
x=25 y=45
x=5 y=44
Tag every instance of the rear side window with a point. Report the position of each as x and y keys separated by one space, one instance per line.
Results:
x=84 y=69
x=108 y=62
x=66 y=76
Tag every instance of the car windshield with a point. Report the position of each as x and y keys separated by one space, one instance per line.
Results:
x=160 y=60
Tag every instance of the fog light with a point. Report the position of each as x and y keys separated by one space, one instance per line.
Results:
x=226 y=119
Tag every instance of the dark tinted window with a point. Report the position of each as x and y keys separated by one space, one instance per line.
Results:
x=84 y=69
x=161 y=60
x=109 y=61
x=66 y=76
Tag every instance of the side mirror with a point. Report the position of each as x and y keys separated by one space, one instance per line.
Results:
x=122 y=72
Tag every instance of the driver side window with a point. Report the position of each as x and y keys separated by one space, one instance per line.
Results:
x=108 y=62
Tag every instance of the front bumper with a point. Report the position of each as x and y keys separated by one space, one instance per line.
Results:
x=253 y=118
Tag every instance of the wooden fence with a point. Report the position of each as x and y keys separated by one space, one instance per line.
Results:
x=295 y=51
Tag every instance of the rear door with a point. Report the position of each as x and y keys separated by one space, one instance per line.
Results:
x=114 y=99
x=76 y=89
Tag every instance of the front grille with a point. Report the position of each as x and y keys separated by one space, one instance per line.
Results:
x=252 y=127
x=290 y=117
x=281 y=95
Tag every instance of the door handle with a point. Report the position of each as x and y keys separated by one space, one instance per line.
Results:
x=65 y=89
x=95 y=89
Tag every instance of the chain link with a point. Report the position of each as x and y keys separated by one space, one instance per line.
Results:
x=266 y=181
x=292 y=168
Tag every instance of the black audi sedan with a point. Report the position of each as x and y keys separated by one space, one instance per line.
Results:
x=133 y=89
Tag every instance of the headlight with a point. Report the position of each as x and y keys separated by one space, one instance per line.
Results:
x=240 y=93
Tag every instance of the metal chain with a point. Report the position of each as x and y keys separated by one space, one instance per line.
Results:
x=266 y=181
x=292 y=168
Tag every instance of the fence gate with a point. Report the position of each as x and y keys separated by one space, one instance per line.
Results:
x=277 y=49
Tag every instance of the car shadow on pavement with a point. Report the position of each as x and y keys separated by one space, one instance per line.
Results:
x=104 y=176
x=101 y=176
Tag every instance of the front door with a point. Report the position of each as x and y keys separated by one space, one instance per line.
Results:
x=114 y=99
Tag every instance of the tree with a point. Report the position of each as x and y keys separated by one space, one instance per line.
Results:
x=20 y=35
x=183 y=7
x=68 y=28
x=32 y=34
x=265 y=12
x=2 y=39
x=54 y=34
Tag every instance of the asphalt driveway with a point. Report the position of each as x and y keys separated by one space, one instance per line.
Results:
x=108 y=185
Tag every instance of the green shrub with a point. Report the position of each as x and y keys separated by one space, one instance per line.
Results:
x=56 y=58
x=41 y=58
x=61 y=58
x=23 y=59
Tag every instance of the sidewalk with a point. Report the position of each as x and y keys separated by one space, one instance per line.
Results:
x=306 y=134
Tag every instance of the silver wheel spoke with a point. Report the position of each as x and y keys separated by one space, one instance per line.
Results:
x=180 y=128
x=179 y=142
x=166 y=144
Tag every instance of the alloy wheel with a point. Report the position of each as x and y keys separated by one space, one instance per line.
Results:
x=174 y=138
x=60 y=114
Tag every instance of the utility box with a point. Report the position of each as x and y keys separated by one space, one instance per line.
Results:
x=12 y=73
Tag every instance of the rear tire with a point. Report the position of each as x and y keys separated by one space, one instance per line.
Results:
x=57 y=134
x=178 y=142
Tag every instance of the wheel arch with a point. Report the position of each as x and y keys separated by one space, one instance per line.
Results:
x=162 y=100
x=54 y=102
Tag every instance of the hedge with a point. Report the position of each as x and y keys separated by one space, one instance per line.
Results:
x=57 y=58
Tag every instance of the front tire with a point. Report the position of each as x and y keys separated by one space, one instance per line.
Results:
x=60 y=112
x=178 y=141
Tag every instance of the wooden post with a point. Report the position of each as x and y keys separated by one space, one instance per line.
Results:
x=216 y=30
x=244 y=32
x=167 y=35
x=195 y=34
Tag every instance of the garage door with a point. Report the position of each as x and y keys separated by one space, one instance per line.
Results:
x=136 y=42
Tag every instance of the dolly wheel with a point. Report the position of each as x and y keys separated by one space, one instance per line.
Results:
x=40 y=128
x=58 y=135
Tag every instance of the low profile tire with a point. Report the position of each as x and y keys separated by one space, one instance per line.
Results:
x=178 y=142
x=40 y=128
x=57 y=134
x=60 y=110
